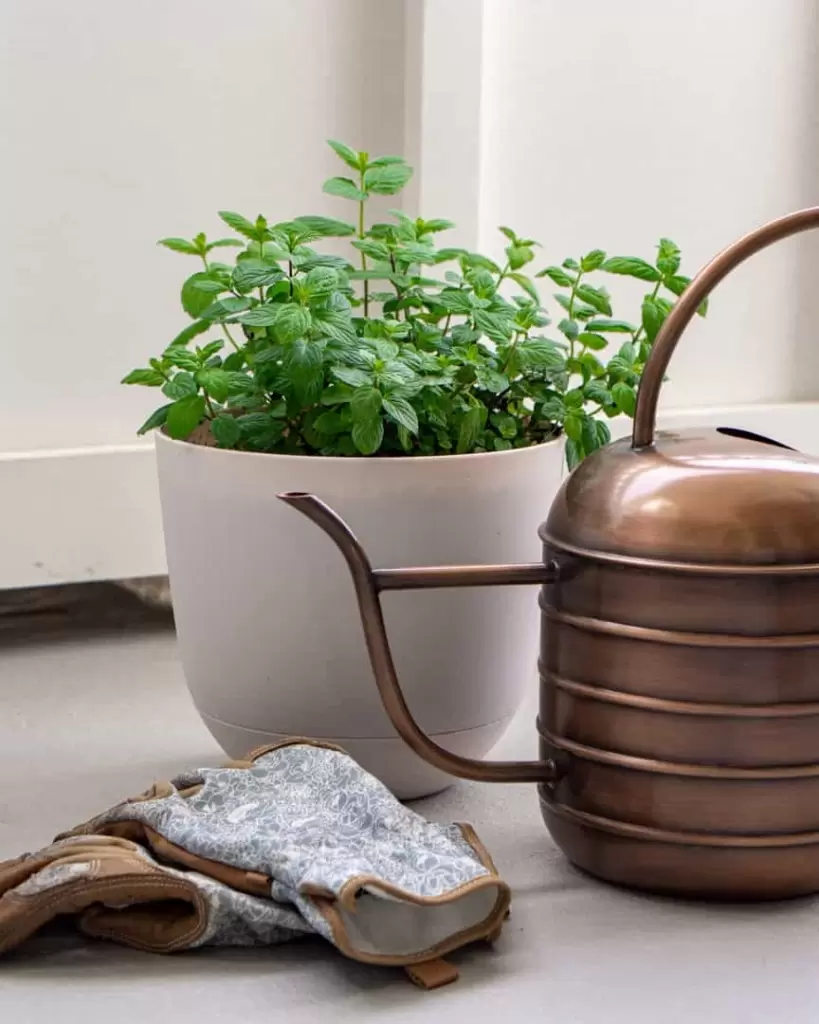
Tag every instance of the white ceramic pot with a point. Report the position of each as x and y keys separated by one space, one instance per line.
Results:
x=268 y=625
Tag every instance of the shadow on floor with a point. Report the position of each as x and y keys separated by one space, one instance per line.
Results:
x=38 y=614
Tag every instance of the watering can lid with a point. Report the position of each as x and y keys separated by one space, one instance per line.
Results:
x=696 y=497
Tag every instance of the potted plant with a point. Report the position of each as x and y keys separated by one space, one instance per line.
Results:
x=413 y=386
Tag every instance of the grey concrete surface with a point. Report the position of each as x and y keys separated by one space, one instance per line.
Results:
x=87 y=720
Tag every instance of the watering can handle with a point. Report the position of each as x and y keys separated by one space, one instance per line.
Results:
x=686 y=306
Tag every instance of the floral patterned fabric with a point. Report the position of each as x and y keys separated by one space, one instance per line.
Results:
x=326 y=834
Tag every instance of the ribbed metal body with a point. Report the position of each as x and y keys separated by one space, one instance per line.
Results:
x=682 y=711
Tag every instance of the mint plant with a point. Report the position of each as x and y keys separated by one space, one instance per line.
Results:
x=405 y=347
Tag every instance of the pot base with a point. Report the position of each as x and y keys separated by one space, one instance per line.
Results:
x=697 y=866
x=389 y=759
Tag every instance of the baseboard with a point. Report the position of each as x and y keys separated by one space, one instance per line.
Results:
x=93 y=513
x=79 y=514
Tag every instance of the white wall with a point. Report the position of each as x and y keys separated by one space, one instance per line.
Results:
x=595 y=124
x=607 y=124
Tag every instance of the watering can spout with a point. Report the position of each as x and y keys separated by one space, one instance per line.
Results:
x=369 y=583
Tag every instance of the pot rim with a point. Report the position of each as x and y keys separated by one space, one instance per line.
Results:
x=162 y=438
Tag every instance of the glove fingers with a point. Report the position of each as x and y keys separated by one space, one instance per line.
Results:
x=71 y=876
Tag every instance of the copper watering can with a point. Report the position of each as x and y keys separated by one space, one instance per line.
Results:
x=679 y=701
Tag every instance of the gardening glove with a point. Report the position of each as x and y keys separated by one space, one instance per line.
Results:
x=112 y=887
x=300 y=836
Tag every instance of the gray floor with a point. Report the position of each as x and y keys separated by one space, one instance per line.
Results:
x=88 y=720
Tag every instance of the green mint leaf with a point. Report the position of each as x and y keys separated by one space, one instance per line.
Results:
x=260 y=431
x=539 y=353
x=234 y=362
x=454 y=300
x=450 y=253
x=181 y=385
x=375 y=250
x=305 y=370
x=573 y=424
x=179 y=245
x=210 y=286
x=494 y=325
x=597 y=298
x=334 y=324
x=678 y=283
x=156 y=419
x=386 y=179
x=191 y=332
x=558 y=275
x=526 y=283
x=569 y=329
x=384 y=161
x=371 y=275
x=652 y=317
x=552 y=410
x=416 y=252
x=589 y=436
x=320 y=282
x=226 y=431
x=593 y=341
x=603 y=433
x=505 y=424
x=591 y=365
x=368 y=427
x=435 y=225
x=482 y=281
x=329 y=422
x=400 y=410
x=239 y=224
x=510 y=234
x=668 y=257
x=366 y=402
x=225 y=307
x=631 y=267
x=519 y=255
x=343 y=187
x=614 y=326
x=368 y=434
x=216 y=382
x=624 y=397
x=224 y=243
x=592 y=260
x=574 y=453
x=596 y=391
x=470 y=429
x=292 y=322
x=253 y=273
x=195 y=301
x=239 y=383
x=570 y=264
x=475 y=259
x=178 y=355
x=147 y=378
x=318 y=259
x=210 y=349
x=349 y=156
x=351 y=375
x=324 y=227
x=261 y=316
x=184 y=416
